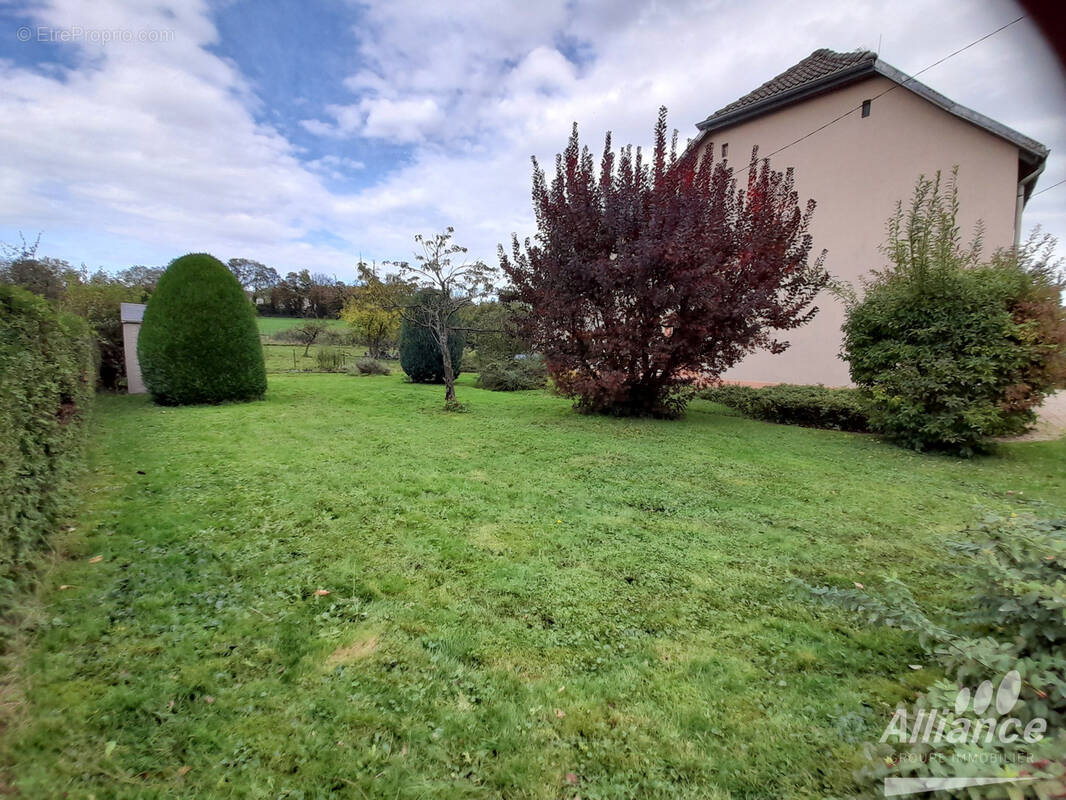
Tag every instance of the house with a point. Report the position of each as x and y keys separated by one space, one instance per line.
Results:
x=884 y=130
x=132 y=315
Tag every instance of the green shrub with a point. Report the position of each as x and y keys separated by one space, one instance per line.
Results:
x=97 y=300
x=787 y=404
x=369 y=366
x=199 y=342
x=1016 y=576
x=47 y=378
x=513 y=376
x=952 y=351
x=420 y=356
x=330 y=359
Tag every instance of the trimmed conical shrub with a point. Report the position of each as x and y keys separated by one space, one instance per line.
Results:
x=199 y=342
x=420 y=356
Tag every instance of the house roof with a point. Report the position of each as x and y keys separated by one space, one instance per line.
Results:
x=825 y=70
x=131 y=312
x=818 y=66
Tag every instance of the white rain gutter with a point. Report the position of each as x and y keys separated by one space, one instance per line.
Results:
x=1019 y=203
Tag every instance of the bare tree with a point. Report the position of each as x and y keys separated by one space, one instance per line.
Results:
x=452 y=287
x=309 y=330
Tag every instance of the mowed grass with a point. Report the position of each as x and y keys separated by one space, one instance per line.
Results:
x=268 y=326
x=522 y=602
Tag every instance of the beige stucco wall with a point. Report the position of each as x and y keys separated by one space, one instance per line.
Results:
x=857 y=170
x=134 y=382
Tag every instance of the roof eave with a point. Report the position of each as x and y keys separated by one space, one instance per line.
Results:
x=831 y=81
x=1030 y=152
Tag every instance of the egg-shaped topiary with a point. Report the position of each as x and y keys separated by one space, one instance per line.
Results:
x=199 y=342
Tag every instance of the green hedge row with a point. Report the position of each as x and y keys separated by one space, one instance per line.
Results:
x=788 y=404
x=48 y=363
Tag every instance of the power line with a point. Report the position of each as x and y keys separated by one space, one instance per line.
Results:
x=1046 y=188
x=895 y=86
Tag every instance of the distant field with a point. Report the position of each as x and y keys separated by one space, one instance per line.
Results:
x=290 y=357
x=268 y=326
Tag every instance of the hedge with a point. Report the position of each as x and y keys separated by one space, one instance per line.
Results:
x=48 y=365
x=199 y=342
x=790 y=404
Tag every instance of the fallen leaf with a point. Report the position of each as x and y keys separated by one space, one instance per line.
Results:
x=109 y=748
x=96 y=559
x=559 y=713
x=571 y=778
x=403 y=750
x=321 y=592
x=183 y=771
x=915 y=666
x=859 y=586
x=66 y=586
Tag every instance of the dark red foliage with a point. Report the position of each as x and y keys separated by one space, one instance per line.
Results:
x=644 y=277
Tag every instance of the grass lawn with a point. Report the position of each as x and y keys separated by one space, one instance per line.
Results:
x=268 y=326
x=522 y=602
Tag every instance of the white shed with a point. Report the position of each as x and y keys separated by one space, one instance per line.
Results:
x=132 y=316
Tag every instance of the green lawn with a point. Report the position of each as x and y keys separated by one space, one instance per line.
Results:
x=522 y=602
x=268 y=326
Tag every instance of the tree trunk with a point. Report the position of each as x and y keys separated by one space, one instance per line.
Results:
x=449 y=373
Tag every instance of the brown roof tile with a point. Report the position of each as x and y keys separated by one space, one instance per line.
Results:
x=818 y=65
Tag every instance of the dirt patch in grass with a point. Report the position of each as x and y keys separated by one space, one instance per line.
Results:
x=359 y=649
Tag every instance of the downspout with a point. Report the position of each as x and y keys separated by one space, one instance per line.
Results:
x=1019 y=204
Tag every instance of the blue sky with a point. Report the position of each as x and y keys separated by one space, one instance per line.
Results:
x=308 y=134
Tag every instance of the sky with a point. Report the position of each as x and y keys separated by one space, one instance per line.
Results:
x=313 y=133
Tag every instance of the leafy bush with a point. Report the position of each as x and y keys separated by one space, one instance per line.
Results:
x=810 y=406
x=647 y=273
x=337 y=338
x=97 y=300
x=47 y=378
x=494 y=337
x=369 y=366
x=952 y=351
x=199 y=342
x=516 y=375
x=1017 y=577
x=420 y=356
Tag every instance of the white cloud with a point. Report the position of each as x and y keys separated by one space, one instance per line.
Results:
x=408 y=120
